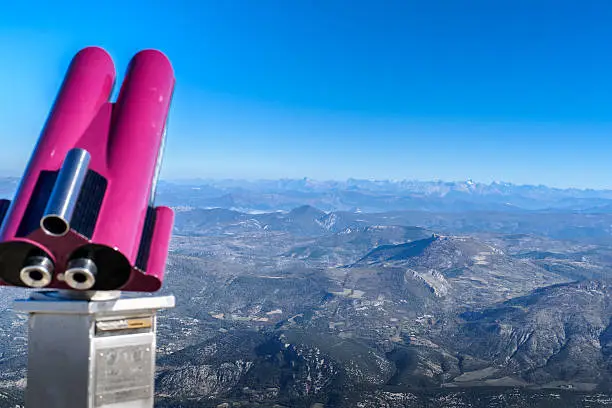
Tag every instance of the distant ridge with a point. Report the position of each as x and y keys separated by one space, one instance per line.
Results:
x=357 y=195
x=293 y=182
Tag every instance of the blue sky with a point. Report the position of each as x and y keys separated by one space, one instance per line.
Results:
x=510 y=90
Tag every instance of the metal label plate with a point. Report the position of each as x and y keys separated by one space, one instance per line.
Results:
x=123 y=373
x=124 y=324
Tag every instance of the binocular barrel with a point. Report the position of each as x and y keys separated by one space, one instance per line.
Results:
x=60 y=207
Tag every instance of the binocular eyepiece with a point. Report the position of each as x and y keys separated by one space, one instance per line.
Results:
x=37 y=272
x=81 y=274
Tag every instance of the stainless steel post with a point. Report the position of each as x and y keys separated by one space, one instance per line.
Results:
x=85 y=353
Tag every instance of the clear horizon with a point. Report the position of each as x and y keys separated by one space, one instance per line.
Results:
x=340 y=180
x=253 y=180
x=515 y=91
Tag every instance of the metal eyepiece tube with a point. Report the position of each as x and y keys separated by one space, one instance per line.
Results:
x=81 y=274
x=37 y=272
x=62 y=202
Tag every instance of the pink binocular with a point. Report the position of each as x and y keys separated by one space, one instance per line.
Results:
x=83 y=217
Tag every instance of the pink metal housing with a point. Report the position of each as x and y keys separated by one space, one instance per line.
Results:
x=124 y=141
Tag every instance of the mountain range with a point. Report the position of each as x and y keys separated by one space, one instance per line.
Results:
x=337 y=306
x=376 y=196
x=369 y=195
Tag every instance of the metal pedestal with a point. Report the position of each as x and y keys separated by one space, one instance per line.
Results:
x=86 y=353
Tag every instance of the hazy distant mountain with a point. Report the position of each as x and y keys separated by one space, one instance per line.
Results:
x=370 y=195
x=376 y=196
